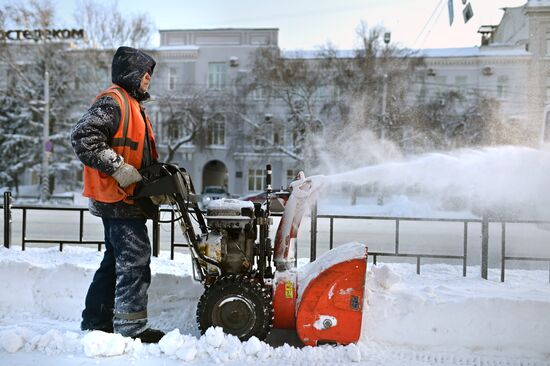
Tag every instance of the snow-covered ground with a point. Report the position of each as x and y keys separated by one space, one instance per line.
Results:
x=438 y=317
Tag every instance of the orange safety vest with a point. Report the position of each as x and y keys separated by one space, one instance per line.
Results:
x=128 y=142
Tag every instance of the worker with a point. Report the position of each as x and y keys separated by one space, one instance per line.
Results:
x=114 y=140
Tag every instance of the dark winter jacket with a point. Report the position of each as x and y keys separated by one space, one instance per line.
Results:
x=91 y=137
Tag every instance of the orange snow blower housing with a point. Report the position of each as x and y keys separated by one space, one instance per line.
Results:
x=232 y=256
x=324 y=300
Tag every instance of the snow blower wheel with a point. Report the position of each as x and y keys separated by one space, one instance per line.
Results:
x=238 y=304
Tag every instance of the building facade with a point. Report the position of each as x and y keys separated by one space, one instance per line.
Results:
x=206 y=64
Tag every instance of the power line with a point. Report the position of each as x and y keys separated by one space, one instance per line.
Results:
x=435 y=21
x=428 y=21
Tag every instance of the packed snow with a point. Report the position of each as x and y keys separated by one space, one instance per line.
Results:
x=438 y=317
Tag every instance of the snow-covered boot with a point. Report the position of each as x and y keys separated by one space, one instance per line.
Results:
x=150 y=335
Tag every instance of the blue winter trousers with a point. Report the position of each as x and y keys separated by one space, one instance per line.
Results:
x=118 y=293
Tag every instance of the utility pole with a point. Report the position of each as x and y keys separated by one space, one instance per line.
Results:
x=387 y=38
x=47 y=145
x=384 y=99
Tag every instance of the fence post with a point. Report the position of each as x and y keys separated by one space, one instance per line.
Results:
x=484 y=245
x=156 y=237
x=313 y=240
x=7 y=219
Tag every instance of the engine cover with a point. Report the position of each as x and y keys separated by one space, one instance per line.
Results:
x=232 y=221
x=229 y=214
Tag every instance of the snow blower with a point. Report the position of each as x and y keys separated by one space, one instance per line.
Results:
x=232 y=257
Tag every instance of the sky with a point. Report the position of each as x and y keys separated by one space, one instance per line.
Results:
x=309 y=24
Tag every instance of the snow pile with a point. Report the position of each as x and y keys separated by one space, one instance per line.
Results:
x=98 y=343
x=441 y=308
x=437 y=317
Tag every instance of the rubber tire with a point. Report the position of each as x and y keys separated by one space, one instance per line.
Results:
x=251 y=296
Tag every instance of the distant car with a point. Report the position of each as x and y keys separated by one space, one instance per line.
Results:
x=277 y=202
x=211 y=193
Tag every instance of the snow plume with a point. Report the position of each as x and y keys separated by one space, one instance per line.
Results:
x=351 y=146
x=509 y=181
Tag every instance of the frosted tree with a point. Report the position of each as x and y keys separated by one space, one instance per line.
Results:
x=19 y=135
x=23 y=95
x=76 y=75
x=453 y=119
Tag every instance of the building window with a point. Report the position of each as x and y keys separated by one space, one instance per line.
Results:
x=321 y=93
x=278 y=135
x=297 y=138
x=259 y=93
x=420 y=81
x=172 y=78
x=460 y=82
x=547 y=43
x=174 y=131
x=157 y=125
x=217 y=73
x=216 y=131
x=259 y=141
x=256 y=179
x=291 y=174
x=548 y=88
x=502 y=86
x=440 y=84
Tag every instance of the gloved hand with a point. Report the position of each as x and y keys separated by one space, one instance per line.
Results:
x=126 y=174
x=163 y=199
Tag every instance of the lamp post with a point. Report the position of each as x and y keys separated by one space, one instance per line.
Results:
x=387 y=38
x=46 y=143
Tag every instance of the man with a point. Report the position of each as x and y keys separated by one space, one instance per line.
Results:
x=114 y=140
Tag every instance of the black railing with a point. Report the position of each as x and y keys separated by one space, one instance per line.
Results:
x=396 y=252
x=25 y=240
x=505 y=257
x=485 y=222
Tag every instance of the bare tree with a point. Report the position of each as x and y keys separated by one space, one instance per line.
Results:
x=321 y=93
x=291 y=84
x=376 y=77
x=107 y=27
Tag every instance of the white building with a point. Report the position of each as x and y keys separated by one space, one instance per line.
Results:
x=512 y=65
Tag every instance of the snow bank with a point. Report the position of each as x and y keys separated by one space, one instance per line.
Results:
x=437 y=317
x=442 y=308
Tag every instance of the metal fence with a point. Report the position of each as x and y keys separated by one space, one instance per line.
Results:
x=485 y=221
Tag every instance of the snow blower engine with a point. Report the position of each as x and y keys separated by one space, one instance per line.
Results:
x=250 y=285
